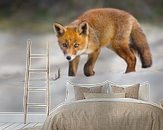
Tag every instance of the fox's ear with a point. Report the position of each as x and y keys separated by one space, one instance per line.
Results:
x=84 y=28
x=59 y=28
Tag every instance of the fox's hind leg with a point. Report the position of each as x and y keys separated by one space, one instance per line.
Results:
x=73 y=66
x=123 y=50
x=120 y=44
x=88 y=68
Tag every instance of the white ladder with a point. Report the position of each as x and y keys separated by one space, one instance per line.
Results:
x=28 y=88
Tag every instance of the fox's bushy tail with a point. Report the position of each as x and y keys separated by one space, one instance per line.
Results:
x=140 y=45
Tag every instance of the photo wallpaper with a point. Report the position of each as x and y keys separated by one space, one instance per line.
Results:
x=90 y=41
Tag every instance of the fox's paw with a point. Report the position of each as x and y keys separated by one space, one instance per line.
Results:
x=89 y=73
x=71 y=73
x=130 y=70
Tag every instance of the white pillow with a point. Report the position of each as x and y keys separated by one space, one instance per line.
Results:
x=161 y=103
x=144 y=90
x=70 y=95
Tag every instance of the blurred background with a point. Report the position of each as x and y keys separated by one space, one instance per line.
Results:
x=21 y=20
x=38 y=15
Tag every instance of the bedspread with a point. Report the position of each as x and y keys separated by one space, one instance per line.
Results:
x=106 y=114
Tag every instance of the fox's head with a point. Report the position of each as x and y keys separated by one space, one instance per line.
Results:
x=73 y=40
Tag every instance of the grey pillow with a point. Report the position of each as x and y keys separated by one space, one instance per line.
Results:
x=79 y=91
x=130 y=91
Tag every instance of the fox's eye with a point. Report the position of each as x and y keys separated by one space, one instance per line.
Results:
x=76 y=45
x=65 y=45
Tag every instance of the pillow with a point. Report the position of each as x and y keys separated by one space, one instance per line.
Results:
x=70 y=95
x=144 y=91
x=130 y=91
x=79 y=91
x=104 y=95
x=161 y=103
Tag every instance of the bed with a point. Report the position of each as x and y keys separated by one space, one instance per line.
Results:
x=106 y=106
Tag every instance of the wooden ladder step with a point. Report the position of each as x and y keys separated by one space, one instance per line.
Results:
x=38 y=55
x=38 y=70
x=36 y=105
x=36 y=89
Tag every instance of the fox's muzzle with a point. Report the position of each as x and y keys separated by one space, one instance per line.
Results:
x=70 y=57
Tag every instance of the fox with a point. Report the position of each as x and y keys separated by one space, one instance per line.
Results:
x=114 y=29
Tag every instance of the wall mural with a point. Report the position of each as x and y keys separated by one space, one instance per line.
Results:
x=121 y=43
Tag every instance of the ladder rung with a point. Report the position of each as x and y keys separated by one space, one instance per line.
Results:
x=38 y=70
x=36 y=105
x=36 y=89
x=38 y=55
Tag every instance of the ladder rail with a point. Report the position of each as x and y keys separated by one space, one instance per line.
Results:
x=48 y=80
x=27 y=76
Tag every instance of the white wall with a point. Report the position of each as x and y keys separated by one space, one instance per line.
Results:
x=108 y=67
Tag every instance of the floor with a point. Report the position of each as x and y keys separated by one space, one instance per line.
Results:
x=17 y=126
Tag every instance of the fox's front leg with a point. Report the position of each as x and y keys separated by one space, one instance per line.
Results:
x=88 y=68
x=73 y=66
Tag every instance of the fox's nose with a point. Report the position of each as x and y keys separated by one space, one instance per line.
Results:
x=68 y=57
